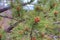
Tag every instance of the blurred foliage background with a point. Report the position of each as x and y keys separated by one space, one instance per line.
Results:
x=47 y=27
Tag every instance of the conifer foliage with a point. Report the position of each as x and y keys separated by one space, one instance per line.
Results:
x=42 y=23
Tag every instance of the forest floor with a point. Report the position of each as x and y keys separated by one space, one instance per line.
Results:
x=4 y=21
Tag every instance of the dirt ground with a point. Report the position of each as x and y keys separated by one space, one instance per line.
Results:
x=4 y=22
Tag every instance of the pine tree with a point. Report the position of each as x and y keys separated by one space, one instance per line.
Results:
x=42 y=23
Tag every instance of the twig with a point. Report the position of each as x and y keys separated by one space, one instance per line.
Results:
x=8 y=17
x=9 y=7
x=28 y=3
x=4 y=9
x=23 y=4
x=14 y=25
x=32 y=30
x=31 y=33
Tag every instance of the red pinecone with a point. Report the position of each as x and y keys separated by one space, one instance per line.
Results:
x=33 y=38
x=37 y=19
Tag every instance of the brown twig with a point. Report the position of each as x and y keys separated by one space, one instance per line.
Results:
x=8 y=17
x=4 y=9
x=32 y=30
x=14 y=25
